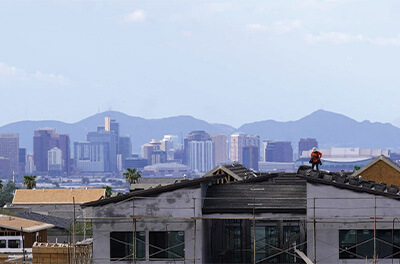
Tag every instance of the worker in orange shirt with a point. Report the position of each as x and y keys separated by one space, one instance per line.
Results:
x=315 y=158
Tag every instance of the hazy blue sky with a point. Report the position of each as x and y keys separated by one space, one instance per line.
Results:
x=229 y=62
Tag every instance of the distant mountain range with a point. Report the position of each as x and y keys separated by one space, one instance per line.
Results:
x=330 y=129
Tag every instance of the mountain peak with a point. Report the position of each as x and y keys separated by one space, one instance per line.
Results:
x=323 y=115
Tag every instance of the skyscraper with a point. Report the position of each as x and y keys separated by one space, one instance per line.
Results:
x=238 y=142
x=55 y=160
x=99 y=152
x=148 y=150
x=220 y=148
x=22 y=160
x=9 y=149
x=199 y=151
x=29 y=166
x=103 y=149
x=42 y=142
x=125 y=148
x=169 y=142
x=278 y=151
x=45 y=139
x=250 y=157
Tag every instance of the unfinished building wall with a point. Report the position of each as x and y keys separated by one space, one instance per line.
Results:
x=343 y=230
x=168 y=216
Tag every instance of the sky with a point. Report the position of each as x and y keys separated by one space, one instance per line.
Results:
x=230 y=62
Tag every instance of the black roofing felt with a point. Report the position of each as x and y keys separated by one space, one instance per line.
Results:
x=346 y=181
x=258 y=197
x=56 y=221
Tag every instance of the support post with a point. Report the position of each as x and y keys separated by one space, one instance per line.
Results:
x=374 y=260
x=314 y=233
x=73 y=232
x=133 y=231
x=194 y=231
x=23 y=246
x=254 y=231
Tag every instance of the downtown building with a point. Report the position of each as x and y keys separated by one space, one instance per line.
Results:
x=125 y=148
x=98 y=154
x=153 y=153
x=9 y=154
x=46 y=139
x=199 y=151
x=220 y=148
x=240 y=141
x=278 y=151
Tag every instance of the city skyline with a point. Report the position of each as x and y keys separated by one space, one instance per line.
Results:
x=306 y=55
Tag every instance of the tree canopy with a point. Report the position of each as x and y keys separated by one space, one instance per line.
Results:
x=132 y=175
x=29 y=181
x=108 y=190
x=7 y=193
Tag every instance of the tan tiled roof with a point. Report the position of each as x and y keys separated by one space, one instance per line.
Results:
x=16 y=223
x=57 y=196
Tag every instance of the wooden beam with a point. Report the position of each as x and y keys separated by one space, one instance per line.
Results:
x=303 y=256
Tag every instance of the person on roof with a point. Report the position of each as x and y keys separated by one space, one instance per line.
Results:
x=315 y=158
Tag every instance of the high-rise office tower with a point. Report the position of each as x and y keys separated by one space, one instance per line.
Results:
x=54 y=156
x=103 y=149
x=220 y=148
x=169 y=142
x=125 y=148
x=99 y=153
x=42 y=142
x=22 y=160
x=9 y=149
x=148 y=150
x=45 y=139
x=111 y=125
x=250 y=157
x=238 y=142
x=64 y=144
x=199 y=151
x=306 y=144
x=278 y=151
x=89 y=157
x=30 y=165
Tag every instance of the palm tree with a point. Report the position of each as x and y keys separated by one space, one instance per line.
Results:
x=132 y=175
x=29 y=181
x=108 y=190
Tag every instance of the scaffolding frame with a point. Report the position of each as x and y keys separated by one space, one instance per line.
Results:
x=313 y=220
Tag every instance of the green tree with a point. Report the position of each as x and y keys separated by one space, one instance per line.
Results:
x=7 y=193
x=29 y=181
x=108 y=190
x=1 y=185
x=132 y=175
